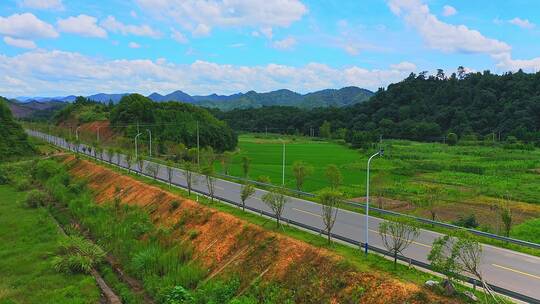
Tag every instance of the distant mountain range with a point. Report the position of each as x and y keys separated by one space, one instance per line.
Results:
x=325 y=98
x=35 y=109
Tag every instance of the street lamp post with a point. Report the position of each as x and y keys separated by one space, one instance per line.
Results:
x=77 y=132
x=150 y=147
x=136 y=151
x=198 y=147
x=379 y=153
x=98 y=134
x=283 y=164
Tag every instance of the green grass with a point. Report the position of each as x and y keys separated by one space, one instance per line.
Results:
x=466 y=176
x=28 y=240
x=406 y=166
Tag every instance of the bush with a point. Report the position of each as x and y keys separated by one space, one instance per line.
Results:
x=174 y=206
x=21 y=184
x=177 y=295
x=77 y=255
x=3 y=178
x=36 y=198
x=264 y=179
x=467 y=222
x=452 y=139
x=46 y=169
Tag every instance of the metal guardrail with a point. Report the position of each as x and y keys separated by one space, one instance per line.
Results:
x=350 y=241
x=397 y=214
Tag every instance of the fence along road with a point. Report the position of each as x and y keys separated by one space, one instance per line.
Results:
x=515 y=272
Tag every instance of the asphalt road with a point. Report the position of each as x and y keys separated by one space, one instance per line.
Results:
x=508 y=269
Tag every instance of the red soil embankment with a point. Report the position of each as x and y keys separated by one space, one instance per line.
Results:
x=227 y=245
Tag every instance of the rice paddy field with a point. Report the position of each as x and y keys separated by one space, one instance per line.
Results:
x=469 y=179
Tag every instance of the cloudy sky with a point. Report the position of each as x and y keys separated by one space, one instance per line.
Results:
x=61 y=47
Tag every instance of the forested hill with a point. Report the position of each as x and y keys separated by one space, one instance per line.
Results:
x=420 y=108
x=14 y=141
x=169 y=122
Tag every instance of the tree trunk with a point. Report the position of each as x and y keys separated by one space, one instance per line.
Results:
x=395 y=259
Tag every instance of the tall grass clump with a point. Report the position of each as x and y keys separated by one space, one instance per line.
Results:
x=146 y=252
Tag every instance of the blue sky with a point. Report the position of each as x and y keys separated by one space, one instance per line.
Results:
x=60 y=47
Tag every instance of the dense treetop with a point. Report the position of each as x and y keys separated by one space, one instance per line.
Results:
x=419 y=108
x=13 y=140
x=173 y=121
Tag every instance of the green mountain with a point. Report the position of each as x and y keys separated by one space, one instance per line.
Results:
x=418 y=108
x=14 y=141
x=325 y=98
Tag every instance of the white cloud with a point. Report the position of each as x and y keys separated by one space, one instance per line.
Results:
x=58 y=72
x=404 y=66
x=449 y=11
x=26 y=26
x=192 y=14
x=133 y=14
x=267 y=32
x=284 y=44
x=134 y=45
x=116 y=26
x=523 y=23
x=178 y=36
x=444 y=36
x=202 y=30
x=83 y=25
x=42 y=4
x=20 y=43
x=350 y=38
x=506 y=63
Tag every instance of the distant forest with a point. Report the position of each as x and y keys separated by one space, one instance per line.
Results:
x=421 y=107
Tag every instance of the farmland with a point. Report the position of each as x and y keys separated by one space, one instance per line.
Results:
x=469 y=178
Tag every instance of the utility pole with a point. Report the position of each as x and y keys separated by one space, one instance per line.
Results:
x=380 y=153
x=150 y=147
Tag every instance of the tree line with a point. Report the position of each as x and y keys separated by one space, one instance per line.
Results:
x=421 y=107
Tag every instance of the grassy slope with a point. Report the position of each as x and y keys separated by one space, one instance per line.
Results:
x=472 y=177
x=28 y=237
x=372 y=263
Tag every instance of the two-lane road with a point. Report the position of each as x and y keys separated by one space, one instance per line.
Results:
x=508 y=269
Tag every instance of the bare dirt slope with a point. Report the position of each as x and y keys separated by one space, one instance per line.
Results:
x=227 y=245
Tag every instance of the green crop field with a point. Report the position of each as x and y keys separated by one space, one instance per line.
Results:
x=470 y=179
x=28 y=240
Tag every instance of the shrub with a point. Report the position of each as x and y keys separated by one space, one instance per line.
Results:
x=77 y=255
x=467 y=222
x=193 y=234
x=46 y=169
x=452 y=139
x=22 y=184
x=3 y=178
x=174 y=206
x=36 y=198
x=264 y=179
x=177 y=295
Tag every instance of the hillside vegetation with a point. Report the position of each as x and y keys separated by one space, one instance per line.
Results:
x=13 y=140
x=419 y=108
x=170 y=123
